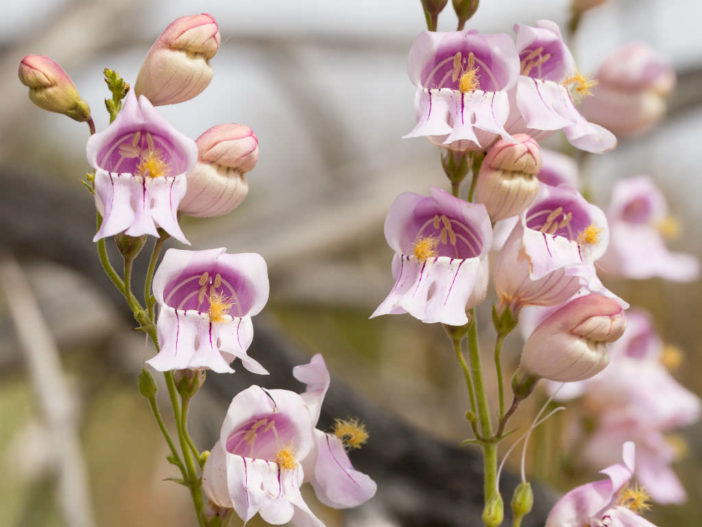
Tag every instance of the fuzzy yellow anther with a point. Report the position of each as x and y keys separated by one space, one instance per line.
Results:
x=152 y=165
x=634 y=498
x=579 y=85
x=219 y=307
x=671 y=357
x=425 y=248
x=285 y=458
x=669 y=227
x=352 y=433
x=590 y=235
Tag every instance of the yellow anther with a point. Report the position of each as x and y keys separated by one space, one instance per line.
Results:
x=551 y=225
x=152 y=165
x=590 y=235
x=425 y=248
x=457 y=66
x=534 y=59
x=678 y=444
x=352 y=433
x=467 y=78
x=579 y=85
x=671 y=357
x=634 y=498
x=219 y=307
x=669 y=227
x=285 y=458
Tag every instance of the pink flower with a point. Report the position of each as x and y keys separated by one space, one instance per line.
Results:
x=441 y=246
x=269 y=445
x=550 y=253
x=216 y=185
x=570 y=344
x=558 y=169
x=638 y=217
x=462 y=80
x=604 y=503
x=206 y=300
x=51 y=88
x=542 y=103
x=140 y=163
x=507 y=181
x=633 y=84
x=177 y=67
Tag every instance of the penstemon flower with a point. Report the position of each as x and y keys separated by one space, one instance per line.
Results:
x=462 y=81
x=639 y=223
x=206 y=300
x=177 y=67
x=269 y=445
x=570 y=344
x=558 y=169
x=550 y=253
x=140 y=163
x=542 y=102
x=605 y=503
x=441 y=246
x=633 y=84
x=217 y=185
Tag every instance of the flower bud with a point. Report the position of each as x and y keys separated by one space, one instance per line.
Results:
x=580 y=6
x=507 y=182
x=494 y=511
x=633 y=85
x=522 y=500
x=177 y=67
x=570 y=344
x=51 y=88
x=217 y=185
x=188 y=382
x=147 y=384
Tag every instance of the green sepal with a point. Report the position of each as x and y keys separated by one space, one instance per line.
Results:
x=504 y=322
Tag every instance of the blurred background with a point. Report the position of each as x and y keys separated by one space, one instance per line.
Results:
x=324 y=86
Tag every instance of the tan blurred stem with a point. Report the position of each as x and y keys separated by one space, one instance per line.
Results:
x=52 y=391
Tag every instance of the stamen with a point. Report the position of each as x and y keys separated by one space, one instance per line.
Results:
x=352 y=433
x=534 y=59
x=669 y=227
x=635 y=499
x=579 y=85
x=457 y=66
x=152 y=164
x=425 y=248
x=219 y=306
x=548 y=225
x=671 y=357
x=469 y=79
x=285 y=458
x=679 y=446
x=589 y=236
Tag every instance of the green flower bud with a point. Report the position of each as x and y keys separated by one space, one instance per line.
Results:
x=522 y=500
x=494 y=511
x=147 y=384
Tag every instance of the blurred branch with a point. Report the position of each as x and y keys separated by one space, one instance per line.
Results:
x=50 y=387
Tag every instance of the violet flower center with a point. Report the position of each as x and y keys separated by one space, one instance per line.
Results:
x=473 y=58
x=142 y=152
x=638 y=210
x=539 y=60
x=262 y=437
x=208 y=290
x=451 y=237
x=560 y=218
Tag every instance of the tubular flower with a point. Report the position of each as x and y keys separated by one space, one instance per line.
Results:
x=462 y=80
x=639 y=223
x=51 y=88
x=558 y=169
x=570 y=344
x=607 y=502
x=550 y=253
x=216 y=185
x=441 y=246
x=140 y=163
x=177 y=67
x=206 y=301
x=269 y=445
x=633 y=84
x=507 y=183
x=542 y=101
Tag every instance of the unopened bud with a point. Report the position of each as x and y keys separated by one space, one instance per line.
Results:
x=217 y=184
x=522 y=500
x=177 y=67
x=507 y=182
x=188 y=382
x=580 y=6
x=494 y=511
x=51 y=88
x=464 y=10
x=147 y=385
x=432 y=8
x=129 y=246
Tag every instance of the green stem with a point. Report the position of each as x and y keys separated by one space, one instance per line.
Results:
x=105 y=261
x=148 y=297
x=490 y=476
x=166 y=435
x=498 y=370
x=194 y=480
